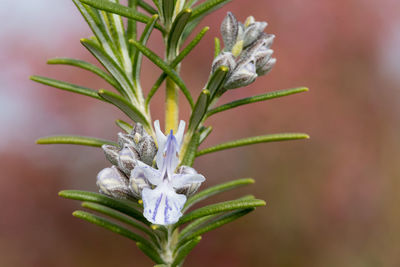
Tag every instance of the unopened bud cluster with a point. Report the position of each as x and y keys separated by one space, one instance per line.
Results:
x=117 y=180
x=133 y=149
x=247 y=51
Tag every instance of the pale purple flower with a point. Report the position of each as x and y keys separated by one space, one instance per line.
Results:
x=162 y=205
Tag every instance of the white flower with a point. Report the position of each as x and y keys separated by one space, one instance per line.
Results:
x=162 y=205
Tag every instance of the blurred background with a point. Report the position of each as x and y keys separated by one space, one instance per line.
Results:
x=332 y=200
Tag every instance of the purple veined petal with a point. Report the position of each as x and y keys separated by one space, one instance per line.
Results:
x=170 y=157
x=145 y=171
x=179 y=133
x=181 y=180
x=162 y=205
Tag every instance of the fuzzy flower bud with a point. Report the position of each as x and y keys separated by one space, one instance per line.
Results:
x=224 y=59
x=188 y=189
x=244 y=74
x=229 y=31
x=113 y=182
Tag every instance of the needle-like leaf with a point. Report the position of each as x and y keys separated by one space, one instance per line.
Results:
x=74 y=140
x=124 y=125
x=175 y=62
x=147 y=7
x=86 y=66
x=100 y=221
x=217 y=45
x=254 y=140
x=177 y=28
x=257 y=98
x=184 y=250
x=213 y=224
x=166 y=68
x=112 y=67
x=199 y=110
x=120 y=10
x=66 y=86
x=217 y=80
x=207 y=7
x=150 y=252
x=120 y=217
x=220 y=207
x=125 y=106
x=211 y=191
x=126 y=207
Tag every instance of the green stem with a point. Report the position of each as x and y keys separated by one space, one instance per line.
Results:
x=171 y=106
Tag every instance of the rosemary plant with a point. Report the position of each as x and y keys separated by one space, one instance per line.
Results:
x=150 y=187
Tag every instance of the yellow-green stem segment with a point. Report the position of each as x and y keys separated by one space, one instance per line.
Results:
x=172 y=109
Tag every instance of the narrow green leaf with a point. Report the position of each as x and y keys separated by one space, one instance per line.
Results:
x=150 y=252
x=120 y=217
x=110 y=226
x=204 y=133
x=124 y=125
x=117 y=26
x=190 y=153
x=86 y=66
x=217 y=48
x=215 y=223
x=131 y=31
x=166 y=68
x=74 y=140
x=66 y=86
x=211 y=191
x=184 y=250
x=190 y=3
x=199 y=110
x=254 y=140
x=99 y=30
x=175 y=63
x=119 y=205
x=112 y=67
x=120 y=10
x=207 y=7
x=220 y=207
x=190 y=228
x=147 y=7
x=176 y=31
x=256 y=98
x=217 y=80
x=137 y=57
x=125 y=106
x=167 y=7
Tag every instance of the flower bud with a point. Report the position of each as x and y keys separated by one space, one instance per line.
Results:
x=111 y=153
x=138 y=129
x=244 y=74
x=262 y=57
x=188 y=190
x=113 y=183
x=127 y=159
x=224 y=59
x=229 y=31
x=137 y=183
x=267 y=67
x=252 y=32
x=125 y=139
x=147 y=149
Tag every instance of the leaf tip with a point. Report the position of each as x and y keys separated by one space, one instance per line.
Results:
x=187 y=10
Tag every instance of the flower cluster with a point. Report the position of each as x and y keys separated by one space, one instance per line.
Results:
x=163 y=190
x=247 y=51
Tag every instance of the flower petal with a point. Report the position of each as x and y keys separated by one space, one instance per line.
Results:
x=161 y=139
x=179 y=133
x=145 y=171
x=162 y=205
x=180 y=180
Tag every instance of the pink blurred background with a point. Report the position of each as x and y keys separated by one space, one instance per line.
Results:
x=331 y=201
